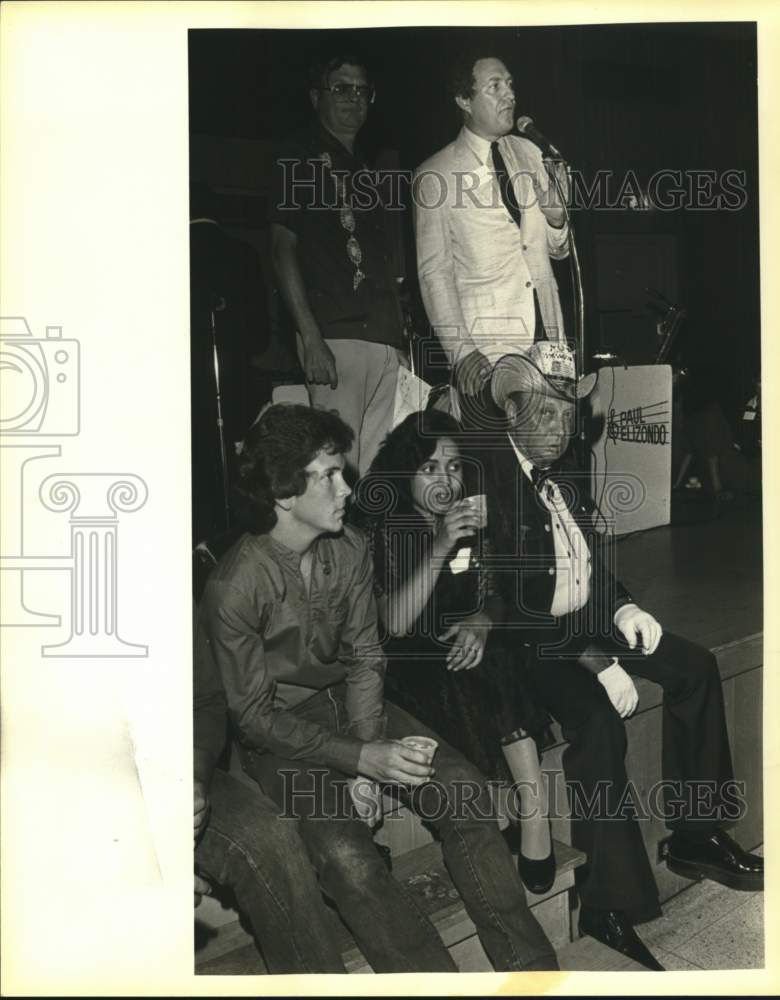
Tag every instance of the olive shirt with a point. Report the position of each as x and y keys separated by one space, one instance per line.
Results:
x=277 y=645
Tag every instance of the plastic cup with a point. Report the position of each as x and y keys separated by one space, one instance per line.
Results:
x=424 y=743
x=479 y=503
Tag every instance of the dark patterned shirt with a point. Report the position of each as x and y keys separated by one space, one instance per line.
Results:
x=314 y=176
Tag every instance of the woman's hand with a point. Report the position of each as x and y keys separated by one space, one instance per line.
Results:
x=469 y=638
x=462 y=521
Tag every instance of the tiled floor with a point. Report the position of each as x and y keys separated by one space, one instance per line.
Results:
x=707 y=926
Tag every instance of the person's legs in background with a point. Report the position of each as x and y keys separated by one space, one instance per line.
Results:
x=262 y=860
x=364 y=397
x=380 y=406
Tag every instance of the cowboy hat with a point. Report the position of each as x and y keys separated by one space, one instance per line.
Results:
x=544 y=366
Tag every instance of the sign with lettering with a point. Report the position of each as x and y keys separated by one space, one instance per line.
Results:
x=632 y=458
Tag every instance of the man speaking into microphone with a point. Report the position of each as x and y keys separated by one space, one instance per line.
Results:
x=489 y=216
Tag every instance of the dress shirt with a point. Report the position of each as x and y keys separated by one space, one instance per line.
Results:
x=276 y=645
x=572 y=555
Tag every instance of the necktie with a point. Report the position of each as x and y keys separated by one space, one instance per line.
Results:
x=504 y=185
x=510 y=204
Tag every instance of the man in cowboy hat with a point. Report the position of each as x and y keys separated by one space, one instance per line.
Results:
x=586 y=636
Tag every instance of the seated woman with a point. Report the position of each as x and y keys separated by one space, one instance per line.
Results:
x=437 y=612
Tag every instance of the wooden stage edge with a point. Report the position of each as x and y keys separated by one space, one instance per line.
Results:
x=702 y=580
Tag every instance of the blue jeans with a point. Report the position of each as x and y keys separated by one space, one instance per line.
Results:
x=392 y=931
x=248 y=849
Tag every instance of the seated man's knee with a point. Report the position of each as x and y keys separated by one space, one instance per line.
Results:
x=697 y=670
x=603 y=723
x=259 y=832
x=455 y=769
x=706 y=667
x=458 y=792
x=344 y=855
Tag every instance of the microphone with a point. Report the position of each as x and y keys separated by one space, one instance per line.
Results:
x=526 y=127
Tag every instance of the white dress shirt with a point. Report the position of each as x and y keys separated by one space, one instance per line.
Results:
x=572 y=555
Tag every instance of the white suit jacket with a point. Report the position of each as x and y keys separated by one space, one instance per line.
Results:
x=477 y=269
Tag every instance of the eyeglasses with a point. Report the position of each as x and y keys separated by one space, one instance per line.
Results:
x=343 y=91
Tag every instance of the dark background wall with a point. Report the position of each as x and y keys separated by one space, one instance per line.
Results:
x=639 y=98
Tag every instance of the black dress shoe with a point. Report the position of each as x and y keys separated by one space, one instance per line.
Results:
x=537 y=875
x=615 y=930
x=718 y=858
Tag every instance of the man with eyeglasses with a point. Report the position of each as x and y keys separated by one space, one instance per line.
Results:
x=333 y=259
x=489 y=216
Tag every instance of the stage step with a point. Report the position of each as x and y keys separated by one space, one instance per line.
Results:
x=423 y=873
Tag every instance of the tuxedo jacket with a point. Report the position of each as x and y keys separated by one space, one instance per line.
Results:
x=474 y=294
x=523 y=550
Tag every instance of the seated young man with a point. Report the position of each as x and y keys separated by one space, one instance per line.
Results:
x=587 y=637
x=290 y=619
x=240 y=843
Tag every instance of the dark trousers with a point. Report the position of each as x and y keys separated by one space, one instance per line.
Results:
x=695 y=751
x=390 y=928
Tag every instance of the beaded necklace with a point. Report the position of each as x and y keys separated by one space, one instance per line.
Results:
x=347 y=219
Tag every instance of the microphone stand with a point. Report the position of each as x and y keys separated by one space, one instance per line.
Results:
x=579 y=304
x=579 y=299
x=525 y=126
x=219 y=307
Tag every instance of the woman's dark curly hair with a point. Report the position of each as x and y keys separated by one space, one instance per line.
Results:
x=276 y=451
x=387 y=486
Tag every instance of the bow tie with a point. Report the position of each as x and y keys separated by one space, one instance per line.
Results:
x=541 y=481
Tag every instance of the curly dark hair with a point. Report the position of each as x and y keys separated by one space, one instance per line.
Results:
x=276 y=451
x=325 y=63
x=387 y=484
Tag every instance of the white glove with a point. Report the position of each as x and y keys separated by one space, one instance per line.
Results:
x=620 y=689
x=631 y=621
